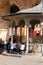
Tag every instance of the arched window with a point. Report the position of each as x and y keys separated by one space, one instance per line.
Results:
x=14 y=9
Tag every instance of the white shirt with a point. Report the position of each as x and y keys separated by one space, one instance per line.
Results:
x=22 y=47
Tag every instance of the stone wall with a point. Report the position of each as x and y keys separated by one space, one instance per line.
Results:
x=4 y=30
x=21 y=4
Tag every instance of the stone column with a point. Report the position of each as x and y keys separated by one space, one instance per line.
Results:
x=11 y=36
x=25 y=30
x=21 y=33
x=16 y=31
x=27 y=39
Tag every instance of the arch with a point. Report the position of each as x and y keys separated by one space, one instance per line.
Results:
x=13 y=24
x=14 y=9
x=22 y=23
x=33 y=22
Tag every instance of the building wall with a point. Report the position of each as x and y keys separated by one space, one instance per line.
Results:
x=24 y=4
x=4 y=30
x=21 y=4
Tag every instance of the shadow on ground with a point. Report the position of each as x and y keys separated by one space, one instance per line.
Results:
x=12 y=55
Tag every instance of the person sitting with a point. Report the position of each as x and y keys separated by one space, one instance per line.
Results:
x=22 y=48
x=8 y=46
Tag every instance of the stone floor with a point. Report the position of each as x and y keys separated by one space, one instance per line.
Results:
x=16 y=59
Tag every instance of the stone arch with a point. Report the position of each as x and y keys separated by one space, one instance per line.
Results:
x=34 y=21
x=23 y=4
x=22 y=23
x=18 y=3
x=14 y=9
